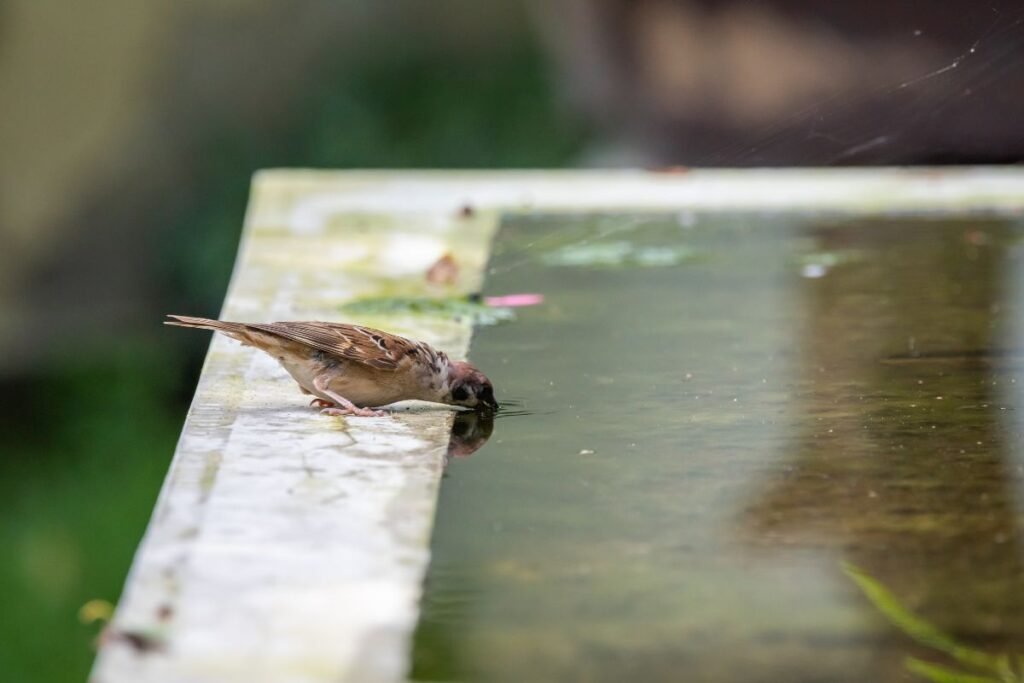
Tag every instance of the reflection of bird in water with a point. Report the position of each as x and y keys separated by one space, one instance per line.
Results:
x=351 y=369
x=470 y=431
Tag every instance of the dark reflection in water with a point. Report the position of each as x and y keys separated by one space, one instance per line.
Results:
x=903 y=467
x=470 y=431
x=715 y=437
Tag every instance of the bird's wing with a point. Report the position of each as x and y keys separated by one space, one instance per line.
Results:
x=352 y=342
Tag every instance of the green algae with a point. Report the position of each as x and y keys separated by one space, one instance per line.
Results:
x=459 y=309
x=619 y=254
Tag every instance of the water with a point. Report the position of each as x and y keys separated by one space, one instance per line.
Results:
x=711 y=437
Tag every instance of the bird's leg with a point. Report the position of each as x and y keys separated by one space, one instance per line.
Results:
x=316 y=402
x=321 y=403
x=347 y=407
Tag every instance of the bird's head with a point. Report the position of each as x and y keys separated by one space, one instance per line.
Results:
x=469 y=387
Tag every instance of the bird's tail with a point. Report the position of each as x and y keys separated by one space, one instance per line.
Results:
x=234 y=330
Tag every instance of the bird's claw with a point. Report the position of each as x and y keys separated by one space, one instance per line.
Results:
x=358 y=412
x=321 y=403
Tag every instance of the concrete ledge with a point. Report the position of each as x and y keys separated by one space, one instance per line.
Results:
x=286 y=546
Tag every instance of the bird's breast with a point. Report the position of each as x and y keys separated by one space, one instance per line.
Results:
x=303 y=371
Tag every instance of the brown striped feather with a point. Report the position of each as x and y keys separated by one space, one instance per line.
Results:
x=375 y=348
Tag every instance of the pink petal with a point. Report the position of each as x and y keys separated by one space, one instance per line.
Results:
x=514 y=300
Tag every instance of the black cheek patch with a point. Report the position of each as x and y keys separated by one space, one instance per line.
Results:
x=460 y=394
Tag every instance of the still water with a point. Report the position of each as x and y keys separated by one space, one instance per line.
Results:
x=728 y=431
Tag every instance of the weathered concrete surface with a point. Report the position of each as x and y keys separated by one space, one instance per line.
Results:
x=290 y=547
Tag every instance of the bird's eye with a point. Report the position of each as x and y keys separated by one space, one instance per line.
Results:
x=459 y=393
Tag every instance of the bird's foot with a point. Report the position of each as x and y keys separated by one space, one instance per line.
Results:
x=321 y=403
x=357 y=412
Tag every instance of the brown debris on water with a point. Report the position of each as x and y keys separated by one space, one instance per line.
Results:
x=444 y=271
x=670 y=170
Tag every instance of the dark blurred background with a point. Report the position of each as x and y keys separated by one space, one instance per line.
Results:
x=129 y=132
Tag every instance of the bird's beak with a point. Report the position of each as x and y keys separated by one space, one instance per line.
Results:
x=489 y=405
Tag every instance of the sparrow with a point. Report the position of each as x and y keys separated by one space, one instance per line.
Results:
x=351 y=369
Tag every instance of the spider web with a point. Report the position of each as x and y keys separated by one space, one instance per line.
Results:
x=840 y=129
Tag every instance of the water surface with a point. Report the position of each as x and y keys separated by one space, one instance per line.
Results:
x=724 y=411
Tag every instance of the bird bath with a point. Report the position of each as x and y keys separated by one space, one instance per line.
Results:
x=705 y=445
x=764 y=427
